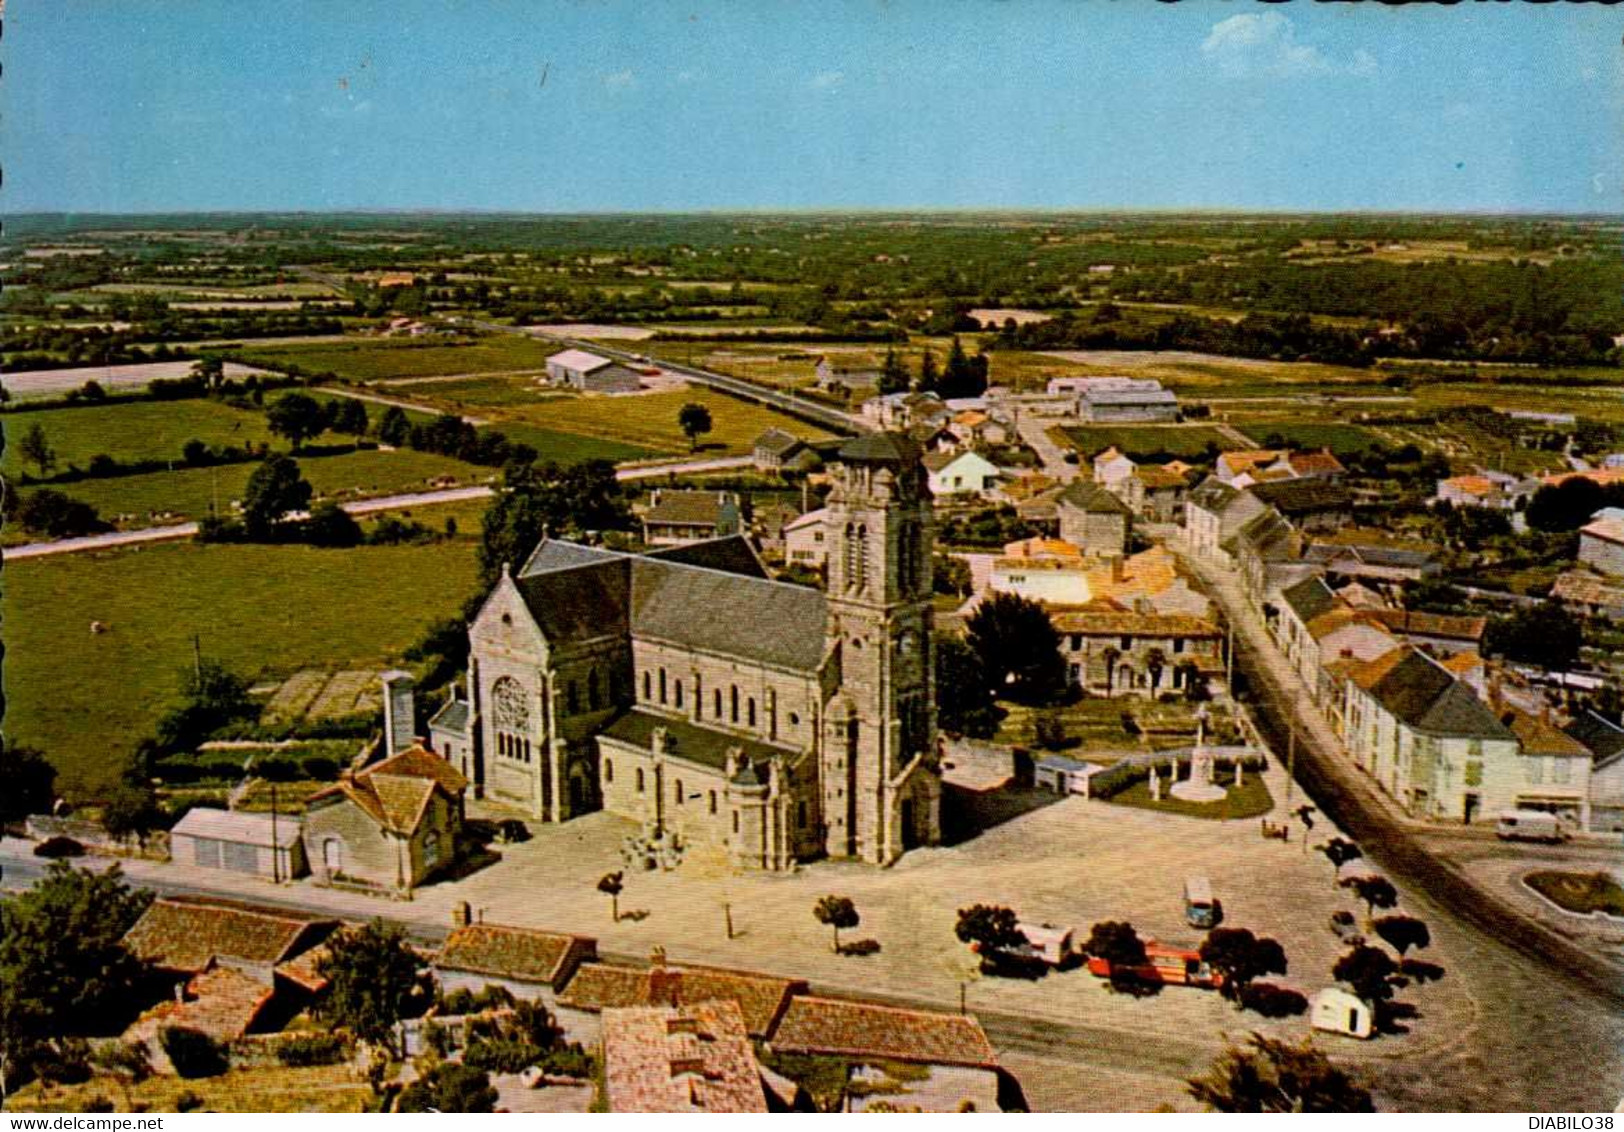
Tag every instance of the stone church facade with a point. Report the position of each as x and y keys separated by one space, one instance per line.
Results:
x=686 y=690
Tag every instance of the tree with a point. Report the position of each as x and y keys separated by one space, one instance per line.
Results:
x=276 y=487
x=351 y=418
x=552 y=500
x=1546 y=635
x=928 y=379
x=695 y=420
x=1117 y=943
x=450 y=1087
x=30 y=783
x=893 y=374
x=330 y=525
x=1368 y=971
x=1155 y=661
x=1376 y=892
x=210 y=370
x=1339 y=851
x=211 y=697
x=1241 y=958
x=837 y=912
x=1270 y=1075
x=1566 y=506
x=964 y=703
x=1018 y=646
x=611 y=885
x=298 y=417
x=58 y=515
x=192 y=1052
x=394 y=426
x=130 y=809
x=1402 y=933
x=64 y=968
x=990 y=928
x=37 y=450
x=371 y=974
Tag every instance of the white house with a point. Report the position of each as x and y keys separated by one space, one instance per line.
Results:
x=960 y=473
x=804 y=540
x=1428 y=741
x=1053 y=581
x=591 y=373
x=1112 y=470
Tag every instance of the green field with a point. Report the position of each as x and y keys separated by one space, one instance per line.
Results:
x=188 y=492
x=1341 y=439
x=480 y=391
x=266 y=611
x=1183 y=441
x=386 y=358
x=649 y=420
x=569 y=447
x=131 y=431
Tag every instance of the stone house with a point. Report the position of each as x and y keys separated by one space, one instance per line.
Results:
x=1604 y=740
x=1112 y=469
x=529 y=964
x=1314 y=506
x=1601 y=543
x=1114 y=652
x=778 y=451
x=1093 y=519
x=596 y=987
x=805 y=540
x=1556 y=767
x=389 y=826
x=1213 y=513
x=676 y=517
x=1155 y=493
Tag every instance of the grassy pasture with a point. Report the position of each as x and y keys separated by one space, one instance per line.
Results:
x=187 y=492
x=1341 y=439
x=386 y=358
x=266 y=611
x=1196 y=374
x=482 y=391
x=137 y=430
x=1183 y=441
x=649 y=420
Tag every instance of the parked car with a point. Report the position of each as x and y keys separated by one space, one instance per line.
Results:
x=512 y=831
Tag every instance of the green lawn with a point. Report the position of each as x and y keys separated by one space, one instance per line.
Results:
x=570 y=447
x=385 y=358
x=266 y=611
x=1341 y=439
x=1252 y=800
x=1144 y=440
x=187 y=492
x=517 y=389
x=1580 y=892
x=131 y=431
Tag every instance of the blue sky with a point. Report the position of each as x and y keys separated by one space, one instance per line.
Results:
x=620 y=105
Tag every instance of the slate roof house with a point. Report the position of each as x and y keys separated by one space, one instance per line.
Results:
x=1428 y=740
x=684 y=690
x=778 y=451
x=390 y=826
x=1093 y=519
x=677 y=517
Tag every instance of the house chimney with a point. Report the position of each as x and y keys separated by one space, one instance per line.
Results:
x=399 y=713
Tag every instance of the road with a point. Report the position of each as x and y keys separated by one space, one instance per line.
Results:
x=633 y=473
x=1535 y=990
x=823 y=416
x=1034 y=430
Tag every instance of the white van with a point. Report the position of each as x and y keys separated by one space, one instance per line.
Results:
x=1529 y=825
x=1200 y=909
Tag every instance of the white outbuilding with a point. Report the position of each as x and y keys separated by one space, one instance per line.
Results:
x=265 y=845
x=1336 y=1011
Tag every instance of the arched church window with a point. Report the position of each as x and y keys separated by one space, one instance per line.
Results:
x=859 y=577
x=572 y=698
x=677 y=694
x=848 y=556
x=662 y=685
x=648 y=686
x=680 y=796
x=594 y=691
x=733 y=715
x=510 y=708
x=718 y=696
x=639 y=780
x=608 y=770
x=750 y=713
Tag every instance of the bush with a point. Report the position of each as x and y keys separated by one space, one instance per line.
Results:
x=65 y=1062
x=312 y=1049
x=188 y=1101
x=192 y=1052
x=101 y=464
x=501 y=1055
x=278 y=769
x=1272 y=1001
x=320 y=767
x=569 y=1061
x=58 y=847
x=98 y=1103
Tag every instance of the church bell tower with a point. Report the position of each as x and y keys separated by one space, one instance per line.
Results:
x=881 y=786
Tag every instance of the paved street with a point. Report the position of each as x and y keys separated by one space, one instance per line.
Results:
x=1034 y=430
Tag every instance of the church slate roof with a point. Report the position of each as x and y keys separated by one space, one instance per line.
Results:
x=453 y=718
x=879 y=448
x=701 y=596
x=772 y=623
x=689 y=741
x=731 y=554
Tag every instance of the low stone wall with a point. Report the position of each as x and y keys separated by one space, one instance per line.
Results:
x=95 y=839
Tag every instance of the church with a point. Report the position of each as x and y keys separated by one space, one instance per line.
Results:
x=686 y=690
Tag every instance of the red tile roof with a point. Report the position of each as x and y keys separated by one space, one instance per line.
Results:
x=180 y=933
x=694 y=1059
x=762 y=998
x=836 y=1027
x=520 y=954
x=396 y=791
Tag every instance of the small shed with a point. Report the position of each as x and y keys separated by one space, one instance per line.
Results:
x=266 y=845
x=1338 y=1012
x=1062 y=775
